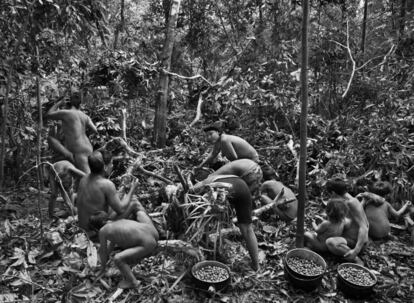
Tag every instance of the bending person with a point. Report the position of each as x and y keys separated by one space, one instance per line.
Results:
x=240 y=198
x=136 y=237
x=74 y=125
x=232 y=147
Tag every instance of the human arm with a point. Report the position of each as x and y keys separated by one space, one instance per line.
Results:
x=214 y=153
x=398 y=213
x=357 y=213
x=321 y=228
x=90 y=125
x=228 y=147
x=104 y=248
x=54 y=113
x=76 y=173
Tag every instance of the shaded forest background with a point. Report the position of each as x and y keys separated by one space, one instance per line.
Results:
x=240 y=57
x=237 y=61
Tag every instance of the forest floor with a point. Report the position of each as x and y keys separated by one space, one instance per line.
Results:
x=62 y=267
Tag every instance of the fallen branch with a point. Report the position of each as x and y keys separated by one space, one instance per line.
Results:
x=180 y=246
x=187 y=78
x=146 y=172
x=180 y=176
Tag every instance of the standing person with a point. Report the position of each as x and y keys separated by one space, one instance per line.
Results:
x=287 y=206
x=240 y=198
x=232 y=147
x=336 y=211
x=74 y=125
x=97 y=193
x=355 y=234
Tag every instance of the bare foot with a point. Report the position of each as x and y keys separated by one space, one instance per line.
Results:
x=125 y=284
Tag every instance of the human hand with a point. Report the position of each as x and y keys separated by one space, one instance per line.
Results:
x=408 y=203
x=352 y=254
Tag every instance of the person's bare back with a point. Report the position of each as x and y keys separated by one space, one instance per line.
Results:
x=74 y=125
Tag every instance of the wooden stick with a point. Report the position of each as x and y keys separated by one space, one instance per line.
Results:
x=180 y=176
x=146 y=172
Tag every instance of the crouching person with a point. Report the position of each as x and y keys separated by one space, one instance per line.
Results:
x=136 y=237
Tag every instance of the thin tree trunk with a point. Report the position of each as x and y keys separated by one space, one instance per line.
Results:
x=40 y=124
x=402 y=17
x=160 y=121
x=364 y=28
x=303 y=128
x=4 y=114
x=120 y=26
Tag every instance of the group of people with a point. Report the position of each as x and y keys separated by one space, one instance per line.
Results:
x=124 y=222
x=103 y=215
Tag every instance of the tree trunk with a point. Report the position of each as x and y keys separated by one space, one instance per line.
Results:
x=39 y=125
x=303 y=127
x=364 y=28
x=120 y=26
x=402 y=17
x=160 y=121
x=4 y=114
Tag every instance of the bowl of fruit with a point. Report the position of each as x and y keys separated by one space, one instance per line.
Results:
x=304 y=268
x=355 y=280
x=209 y=274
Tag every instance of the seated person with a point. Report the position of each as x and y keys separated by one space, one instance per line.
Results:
x=336 y=212
x=60 y=178
x=240 y=198
x=136 y=237
x=97 y=193
x=231 y=147
x=248 y=170
x=287 y=205
x=378 y=210
x=355 y=234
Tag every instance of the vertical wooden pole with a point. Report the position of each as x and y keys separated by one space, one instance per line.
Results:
x=303 y=127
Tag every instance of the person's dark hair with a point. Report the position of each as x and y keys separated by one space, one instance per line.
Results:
x=336 y=210
x=96 y=162
x=337 y=185
x=106 y=156
x=268 y=172
x=217 y=126
x=381 y=188
x=97 y=220
x=75 y=100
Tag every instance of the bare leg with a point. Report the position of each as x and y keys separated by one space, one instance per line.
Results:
x=339 y=247
x=53 y=194
x=81 y=162
x=135 y=253
x=251 y=243
x=313 y=243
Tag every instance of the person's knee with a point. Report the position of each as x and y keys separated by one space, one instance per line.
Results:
x=331 y=244
x=118 y=260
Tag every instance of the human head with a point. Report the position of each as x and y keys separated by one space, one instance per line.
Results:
x=268 y=173
x=336 y=210
x=97 y=220
x=75 y=100
x=381 y=188
x=96 y=162
x=337 y=185
x=213 y=131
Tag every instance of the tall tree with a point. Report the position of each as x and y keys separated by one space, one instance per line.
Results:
x=160 y=121
x=303 y=127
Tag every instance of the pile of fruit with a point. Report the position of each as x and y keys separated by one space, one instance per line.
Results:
x=356 y=276
x=212 y=274
x=304 y=267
